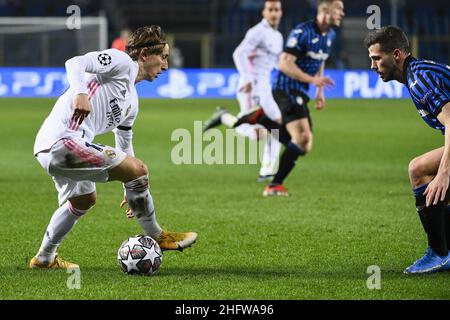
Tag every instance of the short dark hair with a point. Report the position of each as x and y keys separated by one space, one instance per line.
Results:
x=328 y=2
x=389 y=38
x=151 y=38
x=265 y=1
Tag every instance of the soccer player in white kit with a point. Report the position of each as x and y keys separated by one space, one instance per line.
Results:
x=101 y=98
x=255 y=58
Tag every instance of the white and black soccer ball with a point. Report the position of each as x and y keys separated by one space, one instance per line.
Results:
x=139 y=255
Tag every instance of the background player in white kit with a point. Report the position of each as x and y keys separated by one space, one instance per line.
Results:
x=255 y=58
x=101 y=98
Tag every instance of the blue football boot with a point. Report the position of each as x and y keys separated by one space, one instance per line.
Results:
x=446 y=266
x=429 y=263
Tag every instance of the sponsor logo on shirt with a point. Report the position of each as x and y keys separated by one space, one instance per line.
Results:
x=114 y=115
x=425 y=96
x=317 y=55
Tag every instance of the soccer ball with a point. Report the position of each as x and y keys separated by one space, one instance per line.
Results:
x=139 y=255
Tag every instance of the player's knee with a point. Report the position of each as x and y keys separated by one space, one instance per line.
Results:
x=416 y=171
x=142 y=169
x=307 y=143
x=84 y=202
x=304 y=142
x=297 y=141
x=139 y=169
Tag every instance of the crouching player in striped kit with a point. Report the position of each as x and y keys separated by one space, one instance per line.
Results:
x=101 y=98
x=429 y=85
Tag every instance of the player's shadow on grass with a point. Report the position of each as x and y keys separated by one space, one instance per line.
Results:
x=216 y=272
x=260 y=273
x=353 y=273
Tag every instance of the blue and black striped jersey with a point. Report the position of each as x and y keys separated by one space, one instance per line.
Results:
x=312 y=48
x=428 y=83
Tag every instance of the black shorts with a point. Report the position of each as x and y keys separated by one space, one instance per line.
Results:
x=292 y=107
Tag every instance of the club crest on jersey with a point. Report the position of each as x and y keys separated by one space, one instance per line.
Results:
x=104 y=59
x=292 y=42
x=422 y=112
x=128 y=111
x=110 y=153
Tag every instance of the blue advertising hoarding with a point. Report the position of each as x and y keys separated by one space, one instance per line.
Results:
x=194 y=83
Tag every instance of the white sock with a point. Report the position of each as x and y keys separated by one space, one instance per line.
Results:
x=228 y=119
x=141 y=203
x=60 y=224
x=269 y=163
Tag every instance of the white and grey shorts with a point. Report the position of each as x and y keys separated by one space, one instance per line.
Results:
x=76 y=164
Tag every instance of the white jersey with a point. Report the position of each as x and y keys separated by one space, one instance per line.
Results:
x=108 y=78
x=258 y=53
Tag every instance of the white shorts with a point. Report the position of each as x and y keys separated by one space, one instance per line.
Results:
x=75 y=165
x=260 y=96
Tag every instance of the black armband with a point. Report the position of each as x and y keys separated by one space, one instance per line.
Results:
x=124 y=128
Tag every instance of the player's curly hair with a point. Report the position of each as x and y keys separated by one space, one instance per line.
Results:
x=152 y=39
x=389 y=38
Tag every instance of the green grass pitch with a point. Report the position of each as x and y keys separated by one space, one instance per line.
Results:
x=351 y=207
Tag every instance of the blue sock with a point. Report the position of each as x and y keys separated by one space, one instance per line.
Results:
x=418 y=191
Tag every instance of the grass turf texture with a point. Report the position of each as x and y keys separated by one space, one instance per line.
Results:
x=351 y=207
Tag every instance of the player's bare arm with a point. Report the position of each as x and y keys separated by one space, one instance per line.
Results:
x=320 y=97
x=290 y=68
x=438 y=187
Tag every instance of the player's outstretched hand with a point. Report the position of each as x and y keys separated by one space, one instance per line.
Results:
x=437 y=189
x=128 y=213
x=320 y=102
x=320 y=82
x=81 y=108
